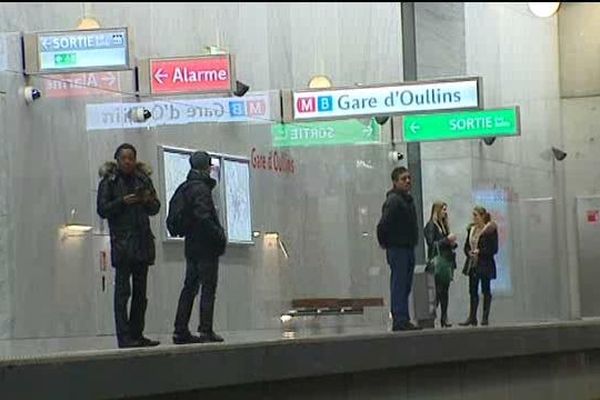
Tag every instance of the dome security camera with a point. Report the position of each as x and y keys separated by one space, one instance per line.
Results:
x=559 y=154
x=382 y=119
x=489 y=140
x=31 y=94
x=240 y=89
x=395 y=156
x=140 y=114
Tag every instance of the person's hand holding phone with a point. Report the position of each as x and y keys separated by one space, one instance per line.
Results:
x=131 y=199
x=147 y=196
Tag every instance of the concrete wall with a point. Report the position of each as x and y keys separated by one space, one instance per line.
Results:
x=320 y=211
x=50 y=284
x=578 y=37
x=580 y=90
x=573 y=376
x=516 y=53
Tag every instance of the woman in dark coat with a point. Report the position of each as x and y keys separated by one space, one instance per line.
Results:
x=480 y=248
x=438 y=236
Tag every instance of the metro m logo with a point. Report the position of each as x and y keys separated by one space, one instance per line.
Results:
x=306 y=104
x=256 y=107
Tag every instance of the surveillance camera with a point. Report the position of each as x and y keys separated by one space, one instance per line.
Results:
x=489 y=140
x=31 y=94
x=240 y=88
x=382 y=119
x=559 y=154
x=140 y=114
x=396 y=156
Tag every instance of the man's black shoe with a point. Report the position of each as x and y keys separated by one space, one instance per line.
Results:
x=406 y=326
x=130 y=343
x=148 y=342
x=186 y=339
x=210 y=337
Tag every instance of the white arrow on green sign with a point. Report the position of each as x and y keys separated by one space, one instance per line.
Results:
x=461 y=125
x=326 y=133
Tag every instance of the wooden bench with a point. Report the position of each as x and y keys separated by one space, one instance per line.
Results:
x=332 y=306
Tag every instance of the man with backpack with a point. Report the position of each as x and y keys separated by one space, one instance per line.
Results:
x=192 y=214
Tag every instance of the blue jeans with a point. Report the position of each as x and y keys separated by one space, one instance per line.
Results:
x=402 y=265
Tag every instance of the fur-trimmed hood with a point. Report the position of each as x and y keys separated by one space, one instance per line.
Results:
x=109 y=168
x=490 y=227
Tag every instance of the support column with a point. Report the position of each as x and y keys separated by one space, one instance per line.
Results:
x=413 y=150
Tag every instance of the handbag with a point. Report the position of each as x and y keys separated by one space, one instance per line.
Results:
x=440 y=266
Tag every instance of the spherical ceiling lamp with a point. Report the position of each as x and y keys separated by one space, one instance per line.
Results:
x=88 y=23
x=544 y=10
x=319 y=82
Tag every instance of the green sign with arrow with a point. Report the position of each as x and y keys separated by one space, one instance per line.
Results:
x=326 y=133
x=461 y=125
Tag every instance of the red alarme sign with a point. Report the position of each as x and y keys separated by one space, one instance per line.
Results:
x=207 y=74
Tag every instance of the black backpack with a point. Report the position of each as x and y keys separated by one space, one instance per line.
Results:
x=382 y=235
x=178 y=220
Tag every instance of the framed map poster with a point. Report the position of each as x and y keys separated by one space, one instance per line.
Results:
x=238 y=204
x=231 y=196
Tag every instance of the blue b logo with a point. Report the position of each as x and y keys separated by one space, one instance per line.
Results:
x=325 y=103
x=237 y=108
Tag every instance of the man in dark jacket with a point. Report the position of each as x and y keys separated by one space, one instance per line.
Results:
x=205 y=242
x=126 y=197
x=397 y=232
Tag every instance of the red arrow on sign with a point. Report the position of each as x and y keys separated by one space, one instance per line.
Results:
x=160 y=75
x=109 y=78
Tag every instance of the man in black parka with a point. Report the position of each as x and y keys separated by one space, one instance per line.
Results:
x=126 y=198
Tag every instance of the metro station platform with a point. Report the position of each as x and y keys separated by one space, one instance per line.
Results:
x=529 y=361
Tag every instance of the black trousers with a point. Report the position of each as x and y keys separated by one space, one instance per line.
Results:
x=205 y=272
x=441 y=292
x=130 y=325
x=474 y=279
